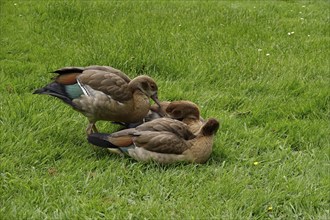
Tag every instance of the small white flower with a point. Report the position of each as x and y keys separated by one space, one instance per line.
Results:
x=308 y=35
x=267 y=54
x=301 y=18
x=292 y=32
x=289 y=33
x=15 y=4
x=300 y=12
x=20 y=15
x=259 y=50
x=303 y=6
x=179 y=25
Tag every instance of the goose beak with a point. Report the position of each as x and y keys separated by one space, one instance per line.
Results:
x=155 y=98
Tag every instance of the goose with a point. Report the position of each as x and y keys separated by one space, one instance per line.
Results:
x=103 y=93
x=163 y=140
x=182 y=110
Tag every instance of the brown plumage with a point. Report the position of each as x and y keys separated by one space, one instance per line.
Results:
x=163 y=140
x=103 y=93
x=185 y=111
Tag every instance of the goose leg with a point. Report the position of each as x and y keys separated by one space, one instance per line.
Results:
x=94 y=128
x=91 y=128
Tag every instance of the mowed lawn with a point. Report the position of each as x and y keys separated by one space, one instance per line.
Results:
x=260 y=67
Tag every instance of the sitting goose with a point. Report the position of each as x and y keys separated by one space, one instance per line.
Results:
x=163 y=140
x=103 y=93
x=185 y=111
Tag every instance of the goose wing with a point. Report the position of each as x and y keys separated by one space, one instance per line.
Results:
x=109 y=83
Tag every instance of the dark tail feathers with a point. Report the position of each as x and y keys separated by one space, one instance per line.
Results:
x=68 y=70
x=100 y=140
x=56 y=90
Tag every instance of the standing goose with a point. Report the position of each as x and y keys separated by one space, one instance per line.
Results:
x=103 y=93
x=163 y=140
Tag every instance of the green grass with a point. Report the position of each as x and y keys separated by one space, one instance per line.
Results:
x=274 y=109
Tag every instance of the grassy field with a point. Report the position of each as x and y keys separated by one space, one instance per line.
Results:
x=260 y=67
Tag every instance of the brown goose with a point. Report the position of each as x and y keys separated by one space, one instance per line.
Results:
x=163 y=140
x=103 y=93
x=185 y=111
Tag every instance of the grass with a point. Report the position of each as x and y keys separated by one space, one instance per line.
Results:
x=235 y=59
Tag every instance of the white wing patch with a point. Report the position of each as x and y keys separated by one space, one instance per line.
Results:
x=83 y=88
x=120 y=103
x=89 y=91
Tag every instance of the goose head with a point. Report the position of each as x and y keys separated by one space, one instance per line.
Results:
x=210 y=127
x=147 y=86
x=183 y=109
